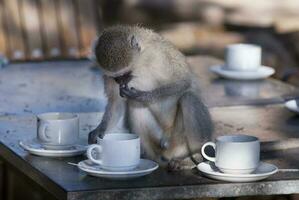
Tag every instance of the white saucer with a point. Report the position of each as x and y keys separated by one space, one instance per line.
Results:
x=263 y=171
x=34 y=147
x=292 y=106
x=145 y=167
x=261 y=73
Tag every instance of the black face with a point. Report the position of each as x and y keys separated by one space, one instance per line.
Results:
x=113 y=50
x=124 y=79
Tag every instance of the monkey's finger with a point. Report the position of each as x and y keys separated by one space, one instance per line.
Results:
x=121 y=94
x=125 y=92
x=174 y=165
x=135 y=92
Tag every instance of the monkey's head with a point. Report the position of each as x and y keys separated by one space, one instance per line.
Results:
x=115 y=50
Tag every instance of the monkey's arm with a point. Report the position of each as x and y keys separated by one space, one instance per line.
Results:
x=114 y=111
x=176 y=89
x=101 y=128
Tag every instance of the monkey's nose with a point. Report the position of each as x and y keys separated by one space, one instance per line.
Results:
x=124 y=79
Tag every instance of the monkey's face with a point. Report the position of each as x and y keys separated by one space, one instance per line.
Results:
x=124 y=79
x=115 y=51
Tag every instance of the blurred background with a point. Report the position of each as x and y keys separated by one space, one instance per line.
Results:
x=44 y=39
x=64 y=29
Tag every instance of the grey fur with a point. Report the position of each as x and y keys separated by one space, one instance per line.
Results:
x=116 y=48
x=115 y=111
x=161 y=97
x=157 y=94
x=100 y=130
x=197 y=121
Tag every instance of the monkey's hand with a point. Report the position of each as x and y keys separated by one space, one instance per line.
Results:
x=93 y=135
x=131 y=93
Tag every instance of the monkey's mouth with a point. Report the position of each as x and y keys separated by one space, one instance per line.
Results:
x=124 y=79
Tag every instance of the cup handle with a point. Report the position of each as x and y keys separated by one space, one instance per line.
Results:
x=92 y=147
x=213 y=159
x=43 y=127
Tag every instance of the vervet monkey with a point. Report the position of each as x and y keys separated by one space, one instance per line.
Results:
x=152 y=92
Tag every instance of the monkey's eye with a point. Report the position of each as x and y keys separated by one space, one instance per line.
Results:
x=118 y=79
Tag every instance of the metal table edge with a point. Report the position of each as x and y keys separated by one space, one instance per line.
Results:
x=28 y=170
x=212 y=190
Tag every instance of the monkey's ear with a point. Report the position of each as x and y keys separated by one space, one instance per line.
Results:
x=134 y=43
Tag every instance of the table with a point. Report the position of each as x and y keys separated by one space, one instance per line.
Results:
x=64 y=181
x=31 y=177
x=222 y=92
x=76 y=86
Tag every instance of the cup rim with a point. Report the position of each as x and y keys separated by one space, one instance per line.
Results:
x=133 y=136
x=246 y=45
x=46 y=116
x=237 y=139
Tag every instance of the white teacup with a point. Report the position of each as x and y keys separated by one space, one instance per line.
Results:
x=235 y=154
x=243 y=57
x=117 y=151
x=58 y=130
